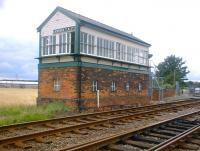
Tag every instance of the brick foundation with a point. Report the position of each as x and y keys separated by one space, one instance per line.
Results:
x=166 y=93
x=71 y=81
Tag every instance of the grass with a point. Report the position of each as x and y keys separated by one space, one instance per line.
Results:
x=17 y=96
x=19 y=114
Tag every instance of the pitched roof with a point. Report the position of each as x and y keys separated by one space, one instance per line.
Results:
x=86 y=20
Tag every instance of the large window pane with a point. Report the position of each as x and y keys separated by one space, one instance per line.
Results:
x=118 y=51
x=54 y=44
x=89 y=44
x=64 y=43
x=60 y=43
x=85 y=43
x=72 y=39
x=81 y=42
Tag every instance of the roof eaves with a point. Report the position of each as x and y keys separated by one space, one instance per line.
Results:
x=116 y=33
x=60 y=9
x=47 y=19
x=85 y=20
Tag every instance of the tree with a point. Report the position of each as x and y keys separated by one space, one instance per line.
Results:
x=172 y=69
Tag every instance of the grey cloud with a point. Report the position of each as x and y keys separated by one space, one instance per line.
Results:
x=18 y=59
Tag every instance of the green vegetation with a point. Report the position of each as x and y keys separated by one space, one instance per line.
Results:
x=171 y=70
x=18 y=114
x=192 y=84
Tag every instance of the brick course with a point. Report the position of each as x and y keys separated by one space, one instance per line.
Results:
x=166 y=93
x=70 y=87
x=68 y=83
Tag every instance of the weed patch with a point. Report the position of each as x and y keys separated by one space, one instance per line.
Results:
x=19 y=114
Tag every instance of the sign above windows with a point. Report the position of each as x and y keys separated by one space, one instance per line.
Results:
x=66 y=29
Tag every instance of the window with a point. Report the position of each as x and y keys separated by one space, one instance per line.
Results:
x=111 y=49
x=99 y=47
x=123 y=52
x=61 y=44
x=90 y=44
x=139 y=87
x=127 y=86
x=87 y=43
x=146 y=57
x=50 y=47
x=105 y=48
x=94 y=86
x=118 y=51
x=48 y=44
x=133 y=54
x=129 y=54
x=44 y=45
x=141 y=56
x=113 y=86
x=66 y=42
x=136 y=54
x=56 y=84
x=54 y=44
x=81 y=41
x=70 y=42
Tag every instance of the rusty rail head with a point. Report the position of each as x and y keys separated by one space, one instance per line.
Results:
x=91 y=114
x=96 y=144
x=84 y=125
x=174 y=139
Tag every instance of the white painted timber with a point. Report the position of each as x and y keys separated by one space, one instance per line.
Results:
x=58 y=21
x=111 y=37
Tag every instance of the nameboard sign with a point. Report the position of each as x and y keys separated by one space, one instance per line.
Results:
x=72 y=28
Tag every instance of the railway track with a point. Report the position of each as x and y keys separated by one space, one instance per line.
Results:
x=187 y=140
x=167 y=135
x=17 y=135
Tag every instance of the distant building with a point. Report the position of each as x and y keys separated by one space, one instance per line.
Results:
x=79 y=56
x=18 y=83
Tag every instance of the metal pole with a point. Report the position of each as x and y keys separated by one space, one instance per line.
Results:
x=98 y=98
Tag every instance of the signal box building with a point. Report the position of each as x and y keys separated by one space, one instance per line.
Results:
x=79 y=56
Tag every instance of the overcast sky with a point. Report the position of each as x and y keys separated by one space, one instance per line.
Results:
x=170 y=26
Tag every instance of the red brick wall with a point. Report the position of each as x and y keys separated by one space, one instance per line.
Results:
x=166 y=93
x=155 y=95
x=120 y=96
x=169 y=93
x=69 y=81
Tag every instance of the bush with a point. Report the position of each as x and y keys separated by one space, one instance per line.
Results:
x=168 y=86
x=18 y=114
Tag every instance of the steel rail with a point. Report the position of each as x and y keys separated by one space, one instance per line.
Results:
x=97 y=144
x=174 y=139
x=31 y=136
x=39 y=122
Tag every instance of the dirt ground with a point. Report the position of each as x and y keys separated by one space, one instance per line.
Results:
x=17 y=96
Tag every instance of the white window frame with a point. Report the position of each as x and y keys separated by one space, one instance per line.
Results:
x=54 y=44
x=56 y=84
x=87 y=43
x=118 y=49
x=44 y=45
x=123 y=52
x=127 y=86
x=139 y=86
x=94 y=85
x=113 y=86
x=65 y=43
